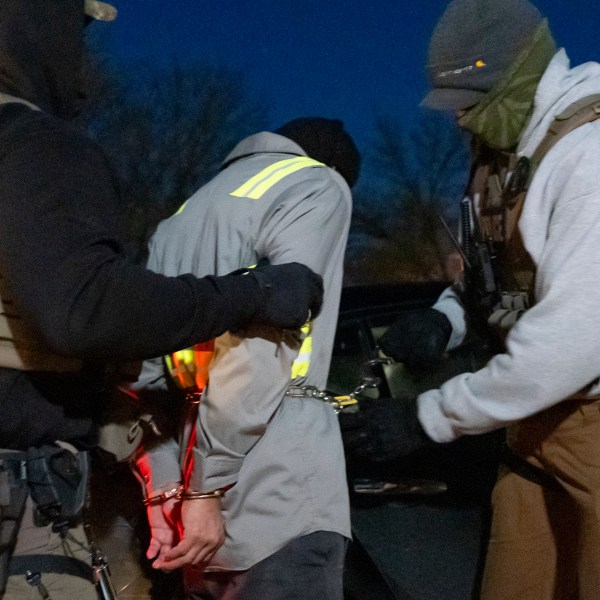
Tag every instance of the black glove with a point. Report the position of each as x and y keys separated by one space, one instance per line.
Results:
x=383 y=429
x=417 y=338
x=291 y=294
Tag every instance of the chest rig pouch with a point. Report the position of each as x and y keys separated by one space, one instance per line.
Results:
x=496 y=239
x=504 y=280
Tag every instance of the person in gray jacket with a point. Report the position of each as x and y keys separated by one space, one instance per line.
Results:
x=264 y=503
x=534 y=204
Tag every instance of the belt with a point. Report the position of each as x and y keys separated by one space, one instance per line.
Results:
x=518 y=465
x=50 y=563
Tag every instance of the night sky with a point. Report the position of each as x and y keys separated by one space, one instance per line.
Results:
x=337 y=58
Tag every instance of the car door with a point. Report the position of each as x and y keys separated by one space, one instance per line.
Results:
x=419 y=523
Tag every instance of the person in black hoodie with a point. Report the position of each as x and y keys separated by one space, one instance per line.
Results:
x=70 y=301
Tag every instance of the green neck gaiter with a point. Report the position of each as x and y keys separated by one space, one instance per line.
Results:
x=499 y=118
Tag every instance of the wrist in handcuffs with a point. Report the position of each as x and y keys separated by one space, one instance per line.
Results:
x=195 y=495
x=191 y=495
x=181 y=493
x=162 y=497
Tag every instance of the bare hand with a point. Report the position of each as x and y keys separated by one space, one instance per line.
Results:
x=163 y=520
x=203 y=534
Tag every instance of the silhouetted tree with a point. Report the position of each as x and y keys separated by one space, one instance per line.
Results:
x=418 y=175
x=166 y=130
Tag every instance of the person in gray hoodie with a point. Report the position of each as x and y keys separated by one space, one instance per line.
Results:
x=262 y=483
x=534 y=206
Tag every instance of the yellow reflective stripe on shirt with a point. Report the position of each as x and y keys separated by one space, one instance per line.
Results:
x=302 y=363
x=256 y=186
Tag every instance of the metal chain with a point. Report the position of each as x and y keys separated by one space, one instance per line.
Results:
x=338 y=403
x=310 y=391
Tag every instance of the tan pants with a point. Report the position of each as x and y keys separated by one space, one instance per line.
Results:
x=544 y=542
x=42 y=540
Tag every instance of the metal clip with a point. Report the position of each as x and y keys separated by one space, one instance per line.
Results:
x=35 y=580
x=300 y=391
x=368 y=380
x=337 y=403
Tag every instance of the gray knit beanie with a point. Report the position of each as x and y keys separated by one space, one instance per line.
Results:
x=472 y=46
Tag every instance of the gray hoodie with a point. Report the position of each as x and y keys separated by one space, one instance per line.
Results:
x=553 y=351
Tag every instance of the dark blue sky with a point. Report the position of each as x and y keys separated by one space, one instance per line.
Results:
x=336 y=58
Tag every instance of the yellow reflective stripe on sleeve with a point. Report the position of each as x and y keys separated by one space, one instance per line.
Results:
x=181 y=367
x=189 y=367
x=256 y=186
x=301 y=365
x=185 y=356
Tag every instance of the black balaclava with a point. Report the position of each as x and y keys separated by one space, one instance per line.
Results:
x=41 y=49
x=325 y=140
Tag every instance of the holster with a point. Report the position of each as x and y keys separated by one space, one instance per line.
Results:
x=57 y=480
x=13 y=494
x=58 y=483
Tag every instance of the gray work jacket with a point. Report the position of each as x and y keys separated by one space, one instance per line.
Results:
x=284 y=454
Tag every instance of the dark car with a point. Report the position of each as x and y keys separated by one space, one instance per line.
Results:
x=419 y=524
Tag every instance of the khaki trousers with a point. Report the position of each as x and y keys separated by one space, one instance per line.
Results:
x=42 y=540
x=545 y=542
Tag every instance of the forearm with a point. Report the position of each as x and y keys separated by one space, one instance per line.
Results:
x=248 y=379
x=548 y=359
x=157 y=467
x=129 y=312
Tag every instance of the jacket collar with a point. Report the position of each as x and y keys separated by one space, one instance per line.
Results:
x=263 y=142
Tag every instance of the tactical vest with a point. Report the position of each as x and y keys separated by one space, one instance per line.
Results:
x=20 y=345
x=499 y=187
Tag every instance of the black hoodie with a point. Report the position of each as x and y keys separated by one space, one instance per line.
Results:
x=61 y=257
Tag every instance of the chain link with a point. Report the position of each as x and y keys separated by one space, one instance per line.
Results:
x=338 y=403
x=310 y=391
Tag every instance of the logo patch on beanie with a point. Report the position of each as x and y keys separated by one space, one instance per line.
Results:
x=479 y=64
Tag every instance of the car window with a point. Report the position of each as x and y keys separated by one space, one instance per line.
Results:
x=355 y=347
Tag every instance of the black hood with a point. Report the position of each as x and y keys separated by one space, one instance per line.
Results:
x=41 y=48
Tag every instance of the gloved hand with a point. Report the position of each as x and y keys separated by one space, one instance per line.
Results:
x=383 y=429
x=418 y=338
x=291 y=295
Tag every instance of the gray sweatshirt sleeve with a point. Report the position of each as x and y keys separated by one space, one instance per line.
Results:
x=552 y=351
x=156 y=464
